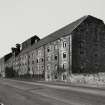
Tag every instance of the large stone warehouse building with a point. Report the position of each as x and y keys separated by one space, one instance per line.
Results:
x=76 y=48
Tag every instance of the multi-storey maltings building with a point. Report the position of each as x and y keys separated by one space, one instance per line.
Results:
x=76 y=48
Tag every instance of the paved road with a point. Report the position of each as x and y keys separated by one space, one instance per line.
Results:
x=31 y=93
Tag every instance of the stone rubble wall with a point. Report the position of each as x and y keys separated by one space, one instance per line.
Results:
x=89 y=79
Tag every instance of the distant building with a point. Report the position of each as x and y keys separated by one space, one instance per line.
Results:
x=2 y=67
x=76 y=48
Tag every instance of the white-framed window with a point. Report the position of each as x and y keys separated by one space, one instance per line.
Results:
x=42 y=67
x=48 y=58
x=56 y=57
x=64 y=44
x=48 y=67
x=37 y=60
x=56 y=66
x=38 y=67
x=48 y=49
x=55 y=47
x=32 y=61
x=39 y=52
x=64 y=55
x=65 y=66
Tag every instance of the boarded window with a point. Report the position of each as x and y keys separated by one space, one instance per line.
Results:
x=64 y=44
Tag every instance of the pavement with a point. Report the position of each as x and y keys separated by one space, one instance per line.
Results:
x=13 y=92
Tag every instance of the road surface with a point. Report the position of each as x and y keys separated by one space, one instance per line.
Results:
x=14 y=92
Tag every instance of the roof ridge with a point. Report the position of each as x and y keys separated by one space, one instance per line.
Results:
x=57 y=34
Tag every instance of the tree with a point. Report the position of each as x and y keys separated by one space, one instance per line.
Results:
x=10 y=73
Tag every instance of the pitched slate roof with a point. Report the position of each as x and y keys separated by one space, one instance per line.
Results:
x=58 y=34
x=7 y=56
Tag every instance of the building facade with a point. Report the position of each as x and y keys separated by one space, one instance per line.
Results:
x=76 y=48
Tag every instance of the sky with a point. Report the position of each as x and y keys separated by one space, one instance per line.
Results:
x=21 y=19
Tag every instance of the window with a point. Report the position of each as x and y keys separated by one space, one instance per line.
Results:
x=48 y=76
x=96 y=36
x=56 y=67
x=56 y=57
x=52 y=56
x=55 y=47
x=32 y=62
x=81 y=52
x=95 y=55
x=42 y=67
x=48 y=67
x=64 y=55
x=28 y=56
x=81 y=45
x=82 y=67
x=64 y=66
x=37 y=61
x=96 y=44
x=32 y=54
x=42 y=59
x=39 y=52
x=38 y=67
x=96 y=64
x=55 y=76
x=48 y=49
x=64 y=77
x=82 y=42
x=48 y=58
x=64 y=44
